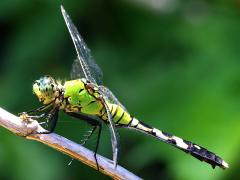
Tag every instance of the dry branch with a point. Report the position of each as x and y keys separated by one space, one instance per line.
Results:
x=76 y=151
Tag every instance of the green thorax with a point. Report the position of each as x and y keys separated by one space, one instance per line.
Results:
x=79 y=98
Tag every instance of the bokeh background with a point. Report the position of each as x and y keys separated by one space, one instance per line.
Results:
x=174 y=64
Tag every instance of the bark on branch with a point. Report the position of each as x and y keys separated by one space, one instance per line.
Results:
x=76 y=151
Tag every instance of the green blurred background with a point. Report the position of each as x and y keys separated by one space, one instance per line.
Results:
x=173 y=64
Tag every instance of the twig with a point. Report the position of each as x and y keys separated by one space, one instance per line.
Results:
x=76 y=151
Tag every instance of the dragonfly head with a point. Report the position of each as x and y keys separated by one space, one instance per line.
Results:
x=46 y=89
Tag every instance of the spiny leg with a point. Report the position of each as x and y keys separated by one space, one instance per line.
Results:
x=50 y=115
x=93 y=122
x=97 y=145
x=53 y=119
x=87 y=137
x=43 y=115
x=33 y=113
x=39 y=109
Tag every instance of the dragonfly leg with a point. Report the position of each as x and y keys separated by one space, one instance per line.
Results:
x=39 y=109
x=32 y=116
x=93 y=122
x=53 y=119
x=34 y=113
x=43 y=115
x=97 y=145
x=88 y=119
x=87 y=137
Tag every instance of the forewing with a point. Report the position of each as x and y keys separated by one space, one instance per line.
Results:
x=110 y=96
x=84 y=66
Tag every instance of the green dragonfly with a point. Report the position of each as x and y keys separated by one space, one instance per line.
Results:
x=84 y=97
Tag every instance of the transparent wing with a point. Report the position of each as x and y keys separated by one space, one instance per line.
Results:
x=84 y=66
x=114 y=135
x=77 y=72
x=110 y=96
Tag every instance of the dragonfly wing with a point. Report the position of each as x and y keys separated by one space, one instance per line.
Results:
x=77 y=71
x=111 y=97
x=84 y=66
x=114 y=135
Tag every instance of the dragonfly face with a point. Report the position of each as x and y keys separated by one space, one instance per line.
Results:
x=45 y=89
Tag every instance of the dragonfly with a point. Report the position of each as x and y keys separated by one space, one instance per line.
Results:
x=85 y=97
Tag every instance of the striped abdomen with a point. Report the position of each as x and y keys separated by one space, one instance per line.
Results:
x=119 y=115
x=123 y=118
x=195 y=150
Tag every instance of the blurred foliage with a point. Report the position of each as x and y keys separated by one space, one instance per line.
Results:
x=173 y=64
